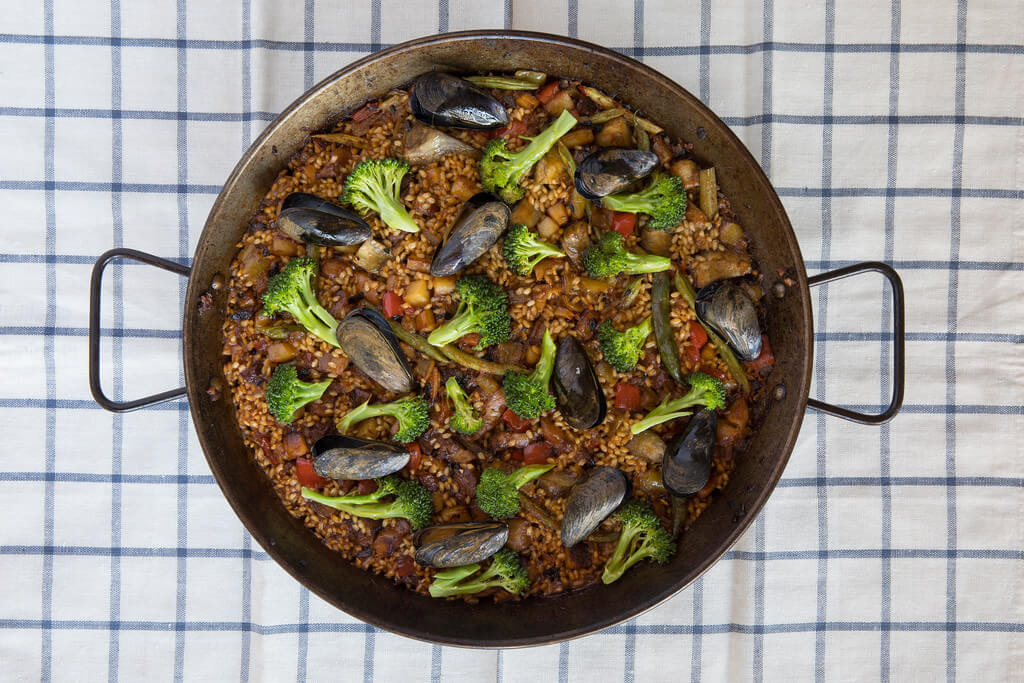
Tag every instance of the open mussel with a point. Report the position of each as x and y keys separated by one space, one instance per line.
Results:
x=310 y=219
x=367 y=339
x=347 y=457
x=458 y=543
x=479 y=226
x=612 y=170
x=440 y=99
x=591 y=501
x=686 y=466
x=727 y=309
x=577 y=389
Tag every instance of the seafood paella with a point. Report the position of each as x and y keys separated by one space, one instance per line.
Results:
x=496 y=336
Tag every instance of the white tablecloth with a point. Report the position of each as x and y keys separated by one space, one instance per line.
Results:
x=892 y=130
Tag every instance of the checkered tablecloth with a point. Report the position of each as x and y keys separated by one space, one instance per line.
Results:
x=892 y=130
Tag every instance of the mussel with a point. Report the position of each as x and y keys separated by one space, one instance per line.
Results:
x=577 y=388
x=686 y=466
x=479 y=226
x=310 y=219
x=590 y=501
x=440 y=99
x=612 y=170
x=727 y=309
x=347 y=457
x=367 y=339
x=424 y=145
x=458 y=543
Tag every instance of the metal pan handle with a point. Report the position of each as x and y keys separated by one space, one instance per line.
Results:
x=95 y=287
x=898 y=339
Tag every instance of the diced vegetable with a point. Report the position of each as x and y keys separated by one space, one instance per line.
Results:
x=514 y=422
x=537 y=453
x=720 y=265
x=525 y=213
x=731 y=233
x=558 y=213
x=615 y=133
x=280 y=352
x=418 y=293
x=687 y=171
x=627 y=396
x=708 y=192
x=697 y=334
x=548 y=92
x=371 y=256
x=307 y=476
x=624 y=223
x=393 y=304
x=415 y=455
x=547 y=228
x=599 y=98
x=527 y=101
x=445 y=285
x=513 y=130
x=559 y=103
x=578 y=138
x=766 y=359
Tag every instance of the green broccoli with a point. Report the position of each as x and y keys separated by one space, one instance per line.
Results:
x=483 y=309
x=286 y=393
x=642 y=538
x=527 y=395
x=622 y=349
x=464 y=419
x=412 y=413
x=522 y=250
x=501 y=170
x=609 y=257
x=705 y=390
x=505 y=572
x=412 y=501
x=291 y=291
x=664 y=200
x=497 y=493
x=375 y=185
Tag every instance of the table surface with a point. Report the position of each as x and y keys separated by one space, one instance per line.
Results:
x=893 y=131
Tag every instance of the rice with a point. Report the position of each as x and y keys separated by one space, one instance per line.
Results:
x=557 y=296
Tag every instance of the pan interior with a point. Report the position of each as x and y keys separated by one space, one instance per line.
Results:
x=376 y=599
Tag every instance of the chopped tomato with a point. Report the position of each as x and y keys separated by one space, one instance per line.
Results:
x=697 y=334
x=624 y=223
x=514 y=422
x=516 y=454
x=766 y=358
x=548 y=92
x=307 y=476
x=537 y=453
x=512 y=130
x=627 y=396
x=393 y=304
x=415 y=455
x=692 y=356
x=367 y=486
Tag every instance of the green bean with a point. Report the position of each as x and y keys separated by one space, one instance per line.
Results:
x=537 y=77
x=661 y=302
x=416 y=341
x=470 y=361
x=502 y=82
x=282 y=331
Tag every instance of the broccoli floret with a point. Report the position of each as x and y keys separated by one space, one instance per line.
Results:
x=505 y=572
x=497 y=493
x=522 y=250
x=664 y=200
x=291 y=291
x=501 y=170
x=286 y=393
x=464 y=419
x=622 y=349
x=375 y=185
x=705 y=390
x=412 y=413
x=642 y=538
x=412 y=501
x=527 y=395
x=609 y=257
x=483 y=309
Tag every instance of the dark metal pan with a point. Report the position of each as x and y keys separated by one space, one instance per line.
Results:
x=375 y=599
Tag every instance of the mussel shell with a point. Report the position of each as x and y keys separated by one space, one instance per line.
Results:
x=577 y=389
x=367 y=339
x=591 y=501
x=612 y=170
x=440 y=99
x=348 y=457
x=453 y=545
x=310 y=219
x=686 y=466
x=480 y=224
x=727 y=309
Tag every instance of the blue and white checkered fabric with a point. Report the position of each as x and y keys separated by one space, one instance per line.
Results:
x=892 y=130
